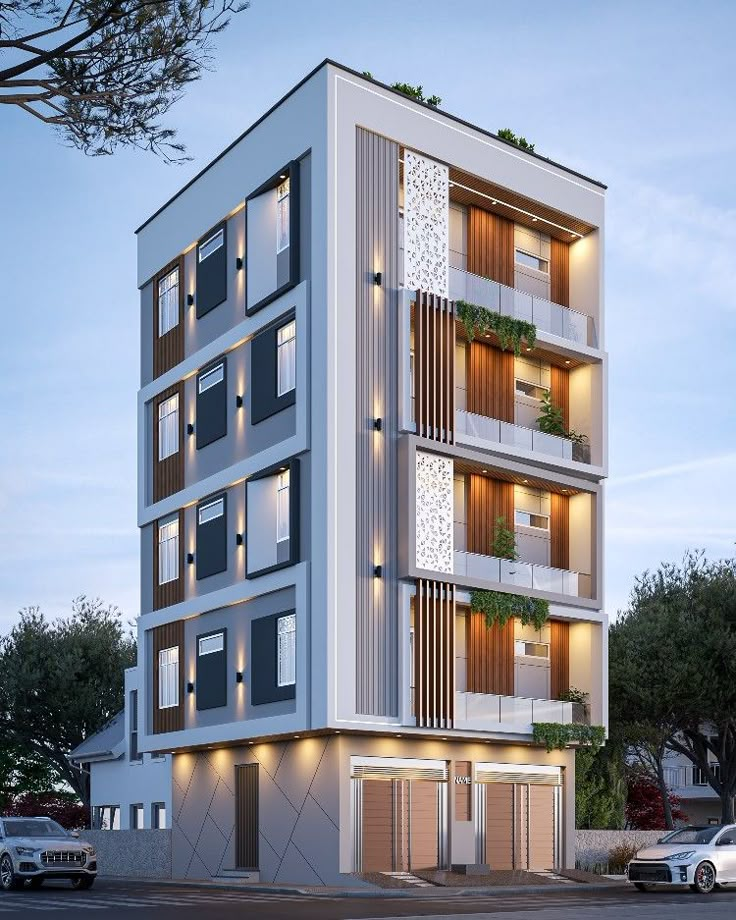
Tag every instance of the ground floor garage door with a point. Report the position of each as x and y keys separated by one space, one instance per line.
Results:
x=518 y=817
x=400 y=815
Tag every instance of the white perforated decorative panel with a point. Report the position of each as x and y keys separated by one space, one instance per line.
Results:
x=434 y=513
x=426 y=220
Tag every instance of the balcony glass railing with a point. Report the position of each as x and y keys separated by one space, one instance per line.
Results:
x=488 y=711
x=547 y=316
x=470 y=427
x=521 y=574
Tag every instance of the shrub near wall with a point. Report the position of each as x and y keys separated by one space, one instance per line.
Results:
x=604 y=851
x=132 y=854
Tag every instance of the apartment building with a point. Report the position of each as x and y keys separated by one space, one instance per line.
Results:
x=323 y=458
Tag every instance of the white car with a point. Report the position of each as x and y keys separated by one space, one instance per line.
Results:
x=702 y=857
x=35 y=849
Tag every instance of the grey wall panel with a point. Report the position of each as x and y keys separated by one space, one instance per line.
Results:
x=146 y=568
x=261 y=262
x=235 y=555
x=377 y=207
x=146 y=334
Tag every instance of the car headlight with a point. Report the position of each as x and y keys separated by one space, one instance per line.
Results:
x=686 y=854
x=90 y=851
x=25 y=851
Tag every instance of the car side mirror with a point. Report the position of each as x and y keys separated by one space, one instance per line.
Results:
x=74 y=833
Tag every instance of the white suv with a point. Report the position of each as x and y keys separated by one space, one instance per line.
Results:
x=35 y=849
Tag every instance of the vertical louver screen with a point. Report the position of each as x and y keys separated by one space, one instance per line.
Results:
x=434 y=367
x=434 y=654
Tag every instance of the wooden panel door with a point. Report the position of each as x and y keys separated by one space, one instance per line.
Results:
x=500 y=825
x=423 y=825
x=246 y=816
x=378 y=825
x=541 y=828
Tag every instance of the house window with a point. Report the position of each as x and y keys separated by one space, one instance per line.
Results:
x=158 y=816
x=211 y=245
x=168 y=426
x=531 y=649
x=531 y=390
x=136 y=817
x=211 y=510
x=168 y=550
x=526 y=258
x=286 y=358
x=282 y=216
x=168 y=677
x=208 y=645
x=529 y=519
x=211 y=378
x=282 y=507
x=106 y=817
x=286 y=650
x=168 y=302
x=133 y=754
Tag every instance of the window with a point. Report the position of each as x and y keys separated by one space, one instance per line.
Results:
x=211 y=378
x=532 y=390
x=208 y=645
x=212 y=543
x=211 y=510
x=529 y=519
x=168 y=302
x=282 y=507
x=168 y=426
x=211 y=244
x=168 y=677
x=282 y=216
x=158 y=816
x=286 y=650
x=133 y=754
x=286 y=358
x=107 y=817
x=168 y=549
x=136 y=817
x=531 y=649
x=526 y=258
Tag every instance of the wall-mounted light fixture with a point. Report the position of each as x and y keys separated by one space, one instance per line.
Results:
x=238 y=539
x=377 y=571
x=190 y=300
x=190 y=428
x=238 y=677
x=238 y=401
x=378 y=424
x=378 y=279
x=190 y=558
x=190 y=687
x=239 y=263
x=283 y=177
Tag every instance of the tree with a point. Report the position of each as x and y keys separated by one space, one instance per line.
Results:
x=600 y=787
x=22 y=773
x=105 y=71
x=60 y=681
x=644 y=805
x=673 y=665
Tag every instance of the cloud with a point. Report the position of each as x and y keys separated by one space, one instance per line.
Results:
x=674 y=469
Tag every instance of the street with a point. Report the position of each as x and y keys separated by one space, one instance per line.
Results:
x=165 y=902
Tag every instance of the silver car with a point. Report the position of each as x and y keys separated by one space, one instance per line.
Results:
x=702 y=857
x=35 y=849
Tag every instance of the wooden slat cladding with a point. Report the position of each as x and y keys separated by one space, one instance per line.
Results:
x=168 y=474
x=490 y=662
x=376 y=395
x=463 y=792
x=490 y=381
x=559 y=272
x=434 y=367
x=434 y=654
x=490 y=246
x=500 y=808
x=488 y=499
x=172 y=592
x=559 y=658
x=559 y=389
x=246 y=816
x=168 y=349
x=170 y=635
x=559 y=524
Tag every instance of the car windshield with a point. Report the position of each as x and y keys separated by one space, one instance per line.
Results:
x=20 y=827
x=693 y=835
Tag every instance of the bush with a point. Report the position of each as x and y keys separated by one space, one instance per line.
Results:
x=622 y=854
x=644 y=808
x=67 y=810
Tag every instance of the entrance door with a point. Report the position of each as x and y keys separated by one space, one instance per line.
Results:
x=246 y=816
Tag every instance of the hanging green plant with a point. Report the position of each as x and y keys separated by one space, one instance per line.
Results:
x=552 y=421
x=499 y=607
x=556 y=736
x=511 y=332
x=504 y=541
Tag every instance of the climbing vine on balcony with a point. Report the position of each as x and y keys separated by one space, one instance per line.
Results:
x=511 y=332
x=556 y=736
x=499 y=607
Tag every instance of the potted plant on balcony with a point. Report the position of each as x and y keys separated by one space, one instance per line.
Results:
x=552 y=421
x=503 y=545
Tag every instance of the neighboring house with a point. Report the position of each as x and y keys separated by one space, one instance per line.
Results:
x=698 y=800
x=322 y=458
x=129 y=790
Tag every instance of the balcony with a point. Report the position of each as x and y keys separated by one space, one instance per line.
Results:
x=547 y=316
x=479 y=431
x=521 y=574
x=488 y=712
x=690 y=777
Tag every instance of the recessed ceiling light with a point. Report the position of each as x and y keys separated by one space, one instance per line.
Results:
x=525 y=481
x=282 y=177
x=494 y=202
x=528 y=348
x=567 y=361
x=564 y=490
x=484 y=471
x=534 y=220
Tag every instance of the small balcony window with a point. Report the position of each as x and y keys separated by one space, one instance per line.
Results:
x=530 y=390
x=286 y=358
x=286 y=650
x=168 y=302
x=168 y=677
x=531 y=649
x=211 y=245
x=531 y=261
x=168 y=550
x=211 y=378
x=158 y=816
x=282 y=216
x=208 y=645
x=168 y=427
x=529 y=519
x=282 y=507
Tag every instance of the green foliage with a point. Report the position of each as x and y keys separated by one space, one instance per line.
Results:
x=557 y=735
x=61 y=681
x=574 y=695
x=511 y=332
x=504 y=541
x=600 y=787
x=499 y=607
x=508 y=135
x=22 y=773
x=416 y=92
x=552 y=421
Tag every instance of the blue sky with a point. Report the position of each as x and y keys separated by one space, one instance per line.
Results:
x=636 y=95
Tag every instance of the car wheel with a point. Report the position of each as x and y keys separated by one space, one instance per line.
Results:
x=83 y=884
x=705 y=878
x=640 y=886
x=36 y=882
x=8 y=881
